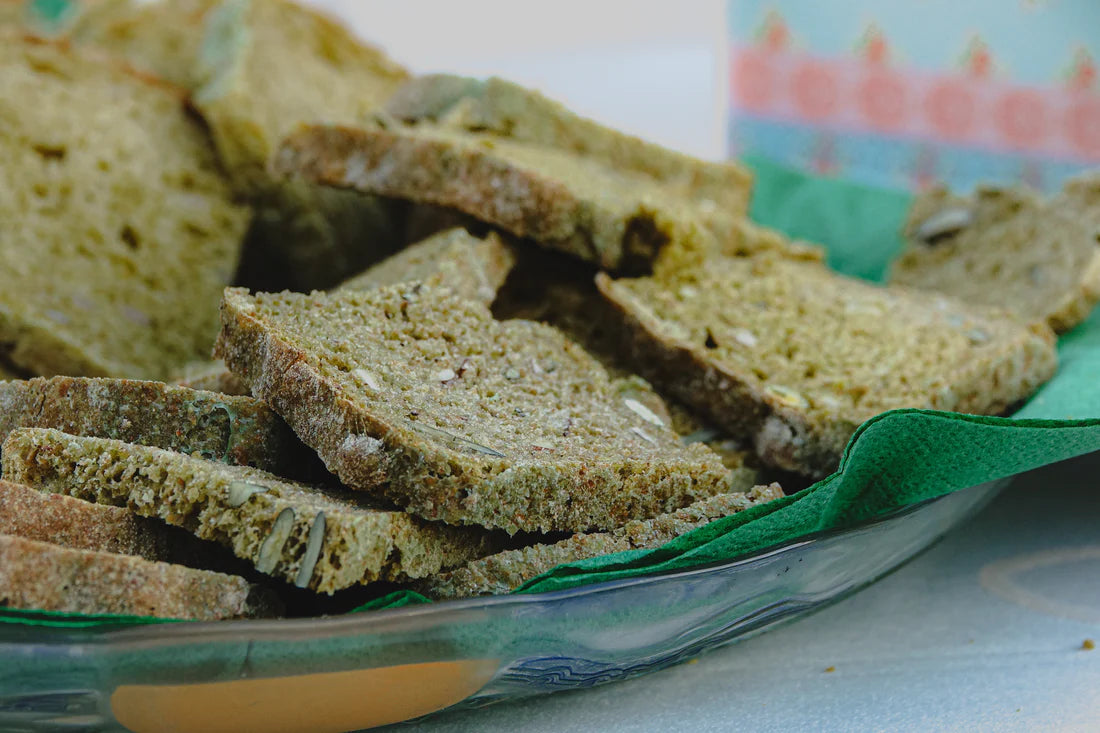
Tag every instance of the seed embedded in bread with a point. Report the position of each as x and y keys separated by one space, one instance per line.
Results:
x=1009 y=247
x=270 y=522
x=529 y=433
x=472 y=267
x=47 y=577
x=117 y=230
x=508 y=570
x=209 y=375
x=827 y=353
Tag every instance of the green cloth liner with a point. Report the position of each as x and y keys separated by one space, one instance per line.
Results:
x=894 y=460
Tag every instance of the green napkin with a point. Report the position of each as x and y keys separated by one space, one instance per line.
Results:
x=894 y=460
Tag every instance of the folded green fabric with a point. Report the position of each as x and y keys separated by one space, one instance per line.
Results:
x=894 y=460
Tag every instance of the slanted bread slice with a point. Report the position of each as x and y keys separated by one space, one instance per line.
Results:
x=264 y=67
x=508 y=570
x=794 y=357
x=1009 y=248
x=81 y=525
x=117 y=232
x=321 y=539
x=220 y=427
x=511 y=111
x=421 y=396
x=47 y=577
x=471 y=267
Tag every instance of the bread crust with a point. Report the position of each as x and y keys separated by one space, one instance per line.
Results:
x=442 y=475
x=42 y=576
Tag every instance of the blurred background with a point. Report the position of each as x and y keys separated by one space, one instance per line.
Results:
x=894 y=93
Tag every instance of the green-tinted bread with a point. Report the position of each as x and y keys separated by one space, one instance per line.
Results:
x=47 y=577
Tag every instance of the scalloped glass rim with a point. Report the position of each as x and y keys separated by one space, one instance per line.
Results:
x=190 y=628
x=536 y=642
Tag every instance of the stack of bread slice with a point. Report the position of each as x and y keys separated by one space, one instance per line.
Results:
x=525 y=338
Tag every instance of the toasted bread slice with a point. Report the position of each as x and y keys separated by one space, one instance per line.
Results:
x=420 y=396
x=264 y=67
x=47 y=577
x=514 y=112
x=794 y=357
x=616 y=217
x=81 y=525
x=220 y=427
x=325 y=540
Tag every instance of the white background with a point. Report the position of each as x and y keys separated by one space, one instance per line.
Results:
x=652 y=68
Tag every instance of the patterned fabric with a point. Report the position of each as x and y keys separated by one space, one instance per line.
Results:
x=905 y=93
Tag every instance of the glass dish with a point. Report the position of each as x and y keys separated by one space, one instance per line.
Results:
x=359 y=670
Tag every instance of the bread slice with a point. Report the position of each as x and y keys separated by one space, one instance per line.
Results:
x=508 y=570
x=469 y=266
x=1009 y=248
x=508 y=110
x=117 y=232
x=42 y=576
x=793 y=357
x=81 y=525
x=415 y=394
x=220 y=427
x=325 y=540
x=210 y=375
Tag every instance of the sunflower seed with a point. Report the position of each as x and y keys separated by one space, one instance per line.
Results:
x=943 y=224
x=786 y=395
x=699 y=436
x=272 y=547
x=643 y=435
x=364 y=376
x=313 y=551
x=744 y=337
x=454 y=441
x=643 y=412
x=241 y=491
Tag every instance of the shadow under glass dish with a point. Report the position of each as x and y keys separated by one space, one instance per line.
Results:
x=358 y=670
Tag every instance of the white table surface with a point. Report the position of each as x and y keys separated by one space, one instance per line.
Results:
x=983 y=632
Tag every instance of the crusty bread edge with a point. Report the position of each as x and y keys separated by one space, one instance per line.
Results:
x=786 y=437
x=435 y=482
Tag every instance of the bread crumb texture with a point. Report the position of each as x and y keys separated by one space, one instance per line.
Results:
x=415 y=394
x=117 y=232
